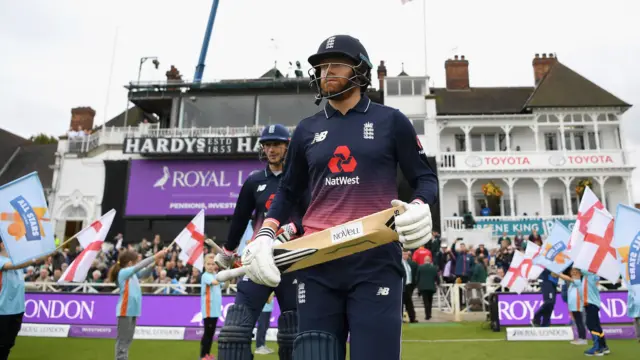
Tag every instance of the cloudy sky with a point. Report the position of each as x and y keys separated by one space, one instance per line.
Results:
x=66 y=53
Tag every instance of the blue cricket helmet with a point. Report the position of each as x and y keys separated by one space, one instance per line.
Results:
x=347 y=47
x=277 y=132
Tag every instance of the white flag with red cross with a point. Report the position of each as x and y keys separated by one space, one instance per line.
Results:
x=531 y=271
x=91 y=239
x=514 y=279
x=597 y=254
x=191 y=242
x=588 y=205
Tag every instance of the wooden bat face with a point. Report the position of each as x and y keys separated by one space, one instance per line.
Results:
x=339 y=241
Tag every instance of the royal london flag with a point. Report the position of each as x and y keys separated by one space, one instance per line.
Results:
x=191 y=242
x=530 y=270
x=597 y=255
x=552 y=254
x=626 y=239
x=91 y=239
x=587 y=206
x=514 y=279
x=25 y=221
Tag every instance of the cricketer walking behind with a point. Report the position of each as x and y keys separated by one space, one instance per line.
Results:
x=257 y=193
x=347 y=156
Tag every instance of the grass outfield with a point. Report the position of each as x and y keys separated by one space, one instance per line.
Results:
x=446 y=341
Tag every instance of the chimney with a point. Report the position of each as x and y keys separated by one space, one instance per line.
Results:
x=382 y=73
x=457 y=71
x=82 y=117
x=173 y=74
x=541 y=65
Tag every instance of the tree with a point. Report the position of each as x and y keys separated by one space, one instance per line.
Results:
x=43 y=139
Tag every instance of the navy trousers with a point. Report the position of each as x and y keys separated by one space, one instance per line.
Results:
x=368 y=308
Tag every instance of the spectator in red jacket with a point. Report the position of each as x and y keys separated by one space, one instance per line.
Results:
x=419 y=254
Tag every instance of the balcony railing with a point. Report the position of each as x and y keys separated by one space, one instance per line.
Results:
x=482 y=161
x=116 y=135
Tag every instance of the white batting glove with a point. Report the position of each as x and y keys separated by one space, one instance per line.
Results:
x=414 y=225
x=257 y=258
x=225 y=259
x=285 y=232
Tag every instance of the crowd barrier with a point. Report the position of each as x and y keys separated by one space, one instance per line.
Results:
x=169 y=313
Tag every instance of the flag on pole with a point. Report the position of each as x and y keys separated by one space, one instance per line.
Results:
x=587 y=206
x=531 y=271
x=91 y=239
x=514 y=279
x=597 y=255
x=626 y=239
x=552 y=256
x=191 y=242
x=25 y=221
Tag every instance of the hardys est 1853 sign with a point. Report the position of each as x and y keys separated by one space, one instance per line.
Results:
x=191 y=145
x=183 y=187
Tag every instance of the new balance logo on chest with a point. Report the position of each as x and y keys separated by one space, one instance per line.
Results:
x=317 y=137
x=261 y=187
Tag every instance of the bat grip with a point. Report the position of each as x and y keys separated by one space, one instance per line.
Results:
x=226 y=275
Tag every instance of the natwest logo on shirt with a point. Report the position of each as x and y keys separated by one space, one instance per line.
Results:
x=342 y=162
x=269 y=200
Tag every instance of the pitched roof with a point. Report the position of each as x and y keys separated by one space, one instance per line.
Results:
x=8 y=144
x=481 y=100
x=563 y=87
x=32 y=157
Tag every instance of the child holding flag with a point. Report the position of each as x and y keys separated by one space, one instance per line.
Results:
x=591 y=295
x=576 y=303
x=12 y=302
x=211 y=305
x=125 y=273
x=633 y=311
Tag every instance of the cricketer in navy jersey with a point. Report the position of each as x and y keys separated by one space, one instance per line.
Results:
x=256 y=196
x=347 y=156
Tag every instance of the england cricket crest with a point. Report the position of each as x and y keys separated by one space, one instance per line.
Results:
x=367 y=131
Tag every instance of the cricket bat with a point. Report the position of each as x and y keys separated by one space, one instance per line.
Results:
x=334 y=243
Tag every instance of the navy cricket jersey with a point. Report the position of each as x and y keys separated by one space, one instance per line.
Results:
x=257 y=195
x=349 y=164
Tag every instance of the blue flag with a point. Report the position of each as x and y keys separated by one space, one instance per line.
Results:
x=626 y=240
x=552 y=254
x=25 y=221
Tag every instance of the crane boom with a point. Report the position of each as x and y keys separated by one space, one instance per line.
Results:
x=205 y=43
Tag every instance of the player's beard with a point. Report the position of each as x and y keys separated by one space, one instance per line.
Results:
x=344 y=85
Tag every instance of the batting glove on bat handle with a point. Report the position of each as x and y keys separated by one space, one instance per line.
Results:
x=226 y=275
x=414 y=225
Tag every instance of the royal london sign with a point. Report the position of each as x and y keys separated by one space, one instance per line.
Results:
x=222 y=146
x=497 y=161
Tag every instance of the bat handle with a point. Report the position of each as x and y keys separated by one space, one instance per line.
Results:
x=226 y=275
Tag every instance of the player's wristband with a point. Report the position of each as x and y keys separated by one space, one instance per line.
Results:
x=417 y=201
x=290 y=228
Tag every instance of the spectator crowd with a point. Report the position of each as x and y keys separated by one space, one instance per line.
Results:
x=167 y=270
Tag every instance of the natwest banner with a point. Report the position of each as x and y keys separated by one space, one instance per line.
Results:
x=91 y=309
x=516 y=310
x=183 y=187
x=191 y=145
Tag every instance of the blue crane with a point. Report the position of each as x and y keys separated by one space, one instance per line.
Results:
x=197 y=78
